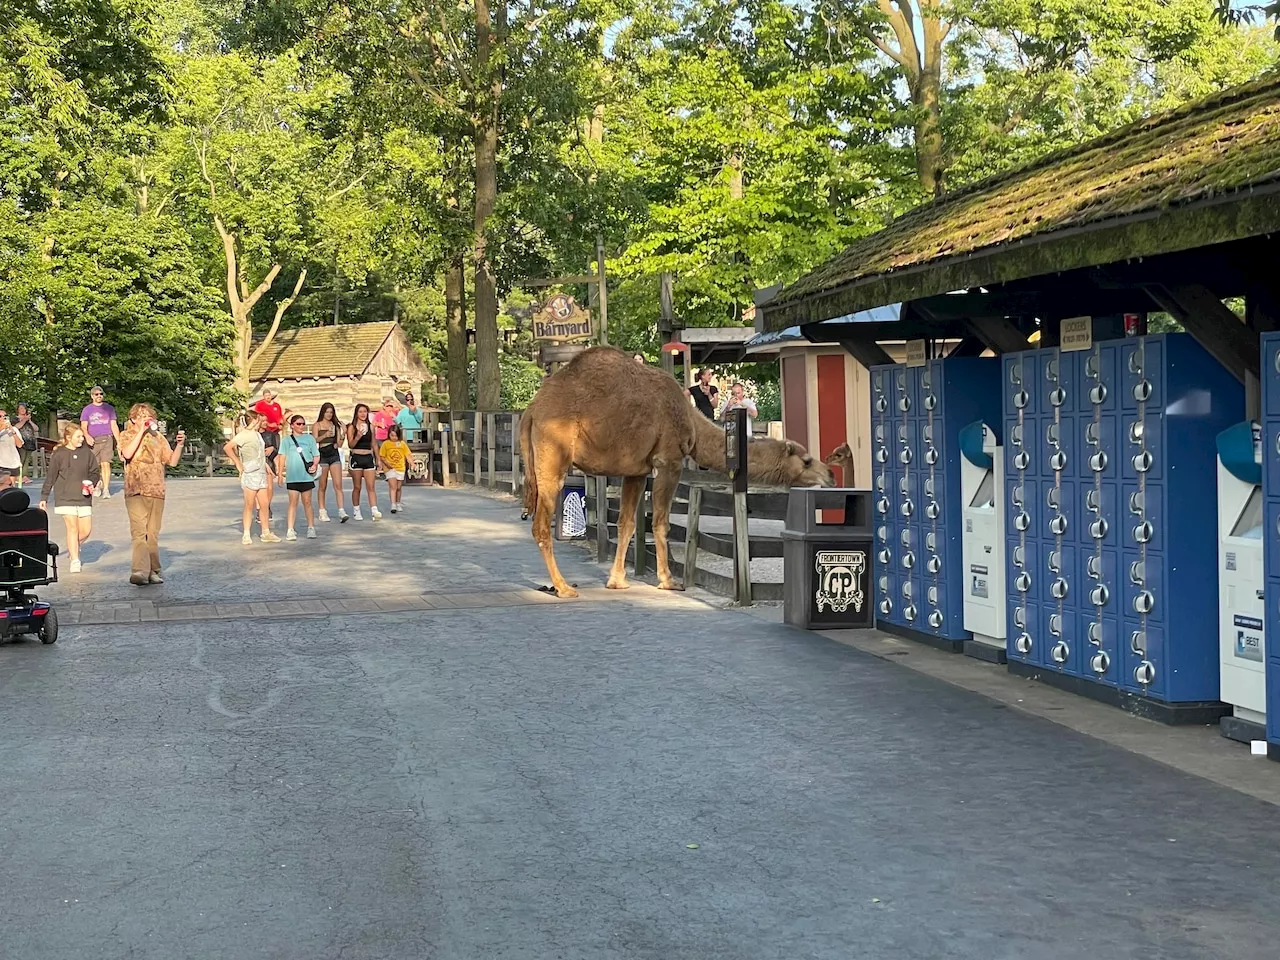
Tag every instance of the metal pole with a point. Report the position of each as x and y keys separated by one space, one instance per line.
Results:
x=445 y=440
x=741 y=550
x=691 y=536
x=602 y=519
x=517 y=475
x=642 y=529
x=477 y=437
x=603 y=295
x=491 y=426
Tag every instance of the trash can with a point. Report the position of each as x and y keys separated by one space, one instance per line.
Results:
x=571 y=510
x=827 y=567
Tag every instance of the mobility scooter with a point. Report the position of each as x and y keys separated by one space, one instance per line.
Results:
x=27 y=559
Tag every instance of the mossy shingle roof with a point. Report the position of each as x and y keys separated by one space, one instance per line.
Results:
x=1210 y=153
x=340 y=351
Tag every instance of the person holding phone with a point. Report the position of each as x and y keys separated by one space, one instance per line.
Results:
x=364 y=466
x=146 y=454
x=10 y=443
x=297 y=464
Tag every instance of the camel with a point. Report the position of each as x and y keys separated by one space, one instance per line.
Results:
x=842 y=457
x=610 y=416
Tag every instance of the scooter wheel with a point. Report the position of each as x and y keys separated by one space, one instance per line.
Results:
x=49 y=632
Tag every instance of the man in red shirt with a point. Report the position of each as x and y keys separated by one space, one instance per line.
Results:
x=273 y=420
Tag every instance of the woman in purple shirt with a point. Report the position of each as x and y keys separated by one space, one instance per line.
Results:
x=102 y=434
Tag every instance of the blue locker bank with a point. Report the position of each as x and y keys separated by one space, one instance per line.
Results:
x=917 y=414
x=1111 y=525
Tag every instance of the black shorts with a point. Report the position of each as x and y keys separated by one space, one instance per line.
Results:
x=362 y=461
x=302 y=487
x=329 y=456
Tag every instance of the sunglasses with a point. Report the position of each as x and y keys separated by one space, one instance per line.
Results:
x=298 y=423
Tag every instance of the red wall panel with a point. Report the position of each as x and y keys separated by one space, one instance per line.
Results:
x=795 y=405
x=832 y=425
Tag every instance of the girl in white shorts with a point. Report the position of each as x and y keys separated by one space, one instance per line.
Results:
x=71 y=476
x=248 y=452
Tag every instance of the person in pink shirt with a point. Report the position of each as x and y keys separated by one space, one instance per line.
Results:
x=384 y=418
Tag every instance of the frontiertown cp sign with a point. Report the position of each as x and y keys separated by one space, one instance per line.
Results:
x=562 y=319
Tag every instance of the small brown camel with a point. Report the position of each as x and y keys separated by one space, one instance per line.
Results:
x=609 y=416
x=842 y=457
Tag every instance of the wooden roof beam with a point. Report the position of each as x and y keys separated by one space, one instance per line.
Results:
x=1219 y=330
x=866 y=352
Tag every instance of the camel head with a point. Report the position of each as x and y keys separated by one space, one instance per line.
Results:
x=788 y=464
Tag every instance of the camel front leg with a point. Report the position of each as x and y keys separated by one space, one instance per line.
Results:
x=664 y=488
x=632 y=491
x=549 y=485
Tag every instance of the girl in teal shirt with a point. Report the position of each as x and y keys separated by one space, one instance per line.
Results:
x=297 y=461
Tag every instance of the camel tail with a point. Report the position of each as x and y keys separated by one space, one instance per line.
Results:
x=530 y=474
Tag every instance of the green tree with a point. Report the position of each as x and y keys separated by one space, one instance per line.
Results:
x=737 y=148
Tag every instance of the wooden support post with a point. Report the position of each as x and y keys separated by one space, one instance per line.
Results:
x=642 y=529
x=477 y=437
x=602 y=298
x=490 y=426
x=446 y=440
x=691 y=536
x=741 y=550
x=602 y=519
x=517 y=474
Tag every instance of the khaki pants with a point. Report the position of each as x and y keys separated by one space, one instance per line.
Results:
x=144 y=527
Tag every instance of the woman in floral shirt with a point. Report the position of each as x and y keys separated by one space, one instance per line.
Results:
x=146 y=454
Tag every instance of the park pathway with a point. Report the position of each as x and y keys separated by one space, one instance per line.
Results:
x=386 y=744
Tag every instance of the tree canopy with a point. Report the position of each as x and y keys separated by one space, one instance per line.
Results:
x=179 y=180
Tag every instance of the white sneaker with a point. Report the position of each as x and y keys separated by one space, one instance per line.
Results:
x=291 y=535
x=355 y=514
x=324 y=517
x=376 y=513
x=74 y=566
x=106 y=493
x=393 y=508
x=342 y=515
x=311 y=533
x=247 y=538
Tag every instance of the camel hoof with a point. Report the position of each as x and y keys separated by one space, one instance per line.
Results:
x=618 y=585
x=671 y=585
x=566 y=593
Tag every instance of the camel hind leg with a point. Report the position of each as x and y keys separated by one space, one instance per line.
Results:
x=632 y=491
x=664 y=488
x=550 y=481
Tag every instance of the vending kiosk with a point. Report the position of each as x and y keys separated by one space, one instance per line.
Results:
x=982 y=542
x=1241 y=608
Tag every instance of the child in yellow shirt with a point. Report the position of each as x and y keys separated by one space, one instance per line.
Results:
x=395 y=456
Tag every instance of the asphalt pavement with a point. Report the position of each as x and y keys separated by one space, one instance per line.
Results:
x=498 y=774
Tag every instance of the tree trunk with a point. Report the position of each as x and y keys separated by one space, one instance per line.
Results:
x=736 y=190
x=456 y=327
x=930 y=151
x=485 y=293
x=919 y=53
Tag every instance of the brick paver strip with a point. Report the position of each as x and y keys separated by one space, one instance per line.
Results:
x=503 y=595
